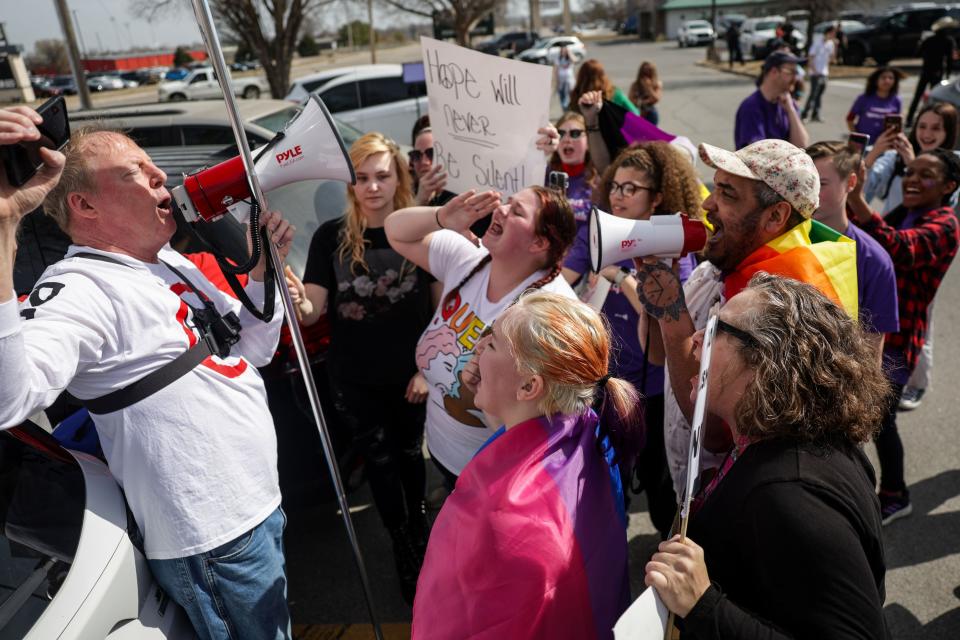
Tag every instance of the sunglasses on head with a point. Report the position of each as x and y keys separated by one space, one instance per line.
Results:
x=573 y=133
x=417 y=156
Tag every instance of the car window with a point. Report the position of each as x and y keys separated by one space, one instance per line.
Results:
x=921 y=20
x=898 y=21
x=277 y=120
x=212 y=134
x=200 y=77
x=313 y=85
x=341 y=98
x=698 y=24
x=766 y=26
x=153 y=136
x=376 y=91
x=41 y=515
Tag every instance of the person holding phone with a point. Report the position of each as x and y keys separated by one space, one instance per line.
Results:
x=886 y=162
x=197 y=459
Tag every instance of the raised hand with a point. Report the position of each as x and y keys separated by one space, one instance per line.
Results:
x=465 y=209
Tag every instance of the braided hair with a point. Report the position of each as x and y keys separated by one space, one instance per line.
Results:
x=951 y=169
x=555 y=223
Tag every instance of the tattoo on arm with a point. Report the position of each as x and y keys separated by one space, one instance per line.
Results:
x=660 y=291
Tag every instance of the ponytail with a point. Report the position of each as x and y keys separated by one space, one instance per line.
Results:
x=619 y=406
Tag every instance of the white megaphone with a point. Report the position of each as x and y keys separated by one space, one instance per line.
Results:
x=308 y=148
x=613 y=239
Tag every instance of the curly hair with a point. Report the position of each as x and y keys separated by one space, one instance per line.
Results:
x=816 y=376
x=951 y=169
x=568 y=344
x=874 y=79
x=590 y=77
x=669 y=170
x=352 y=244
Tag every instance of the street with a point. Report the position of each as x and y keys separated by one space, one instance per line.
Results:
x=922 y=551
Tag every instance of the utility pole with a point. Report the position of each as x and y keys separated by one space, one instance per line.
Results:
x=567 y=20
x=535 y=22
x=76 y=65
x=373 y=33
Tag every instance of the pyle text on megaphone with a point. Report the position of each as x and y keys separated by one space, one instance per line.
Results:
x=309 y=148
x=614 y=239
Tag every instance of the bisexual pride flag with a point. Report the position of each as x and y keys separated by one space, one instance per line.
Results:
x=532 y=542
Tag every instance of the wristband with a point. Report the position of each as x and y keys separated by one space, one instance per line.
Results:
x=436 y=215
x=621 y=276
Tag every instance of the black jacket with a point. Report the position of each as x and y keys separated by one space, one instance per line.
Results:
x=792 y=542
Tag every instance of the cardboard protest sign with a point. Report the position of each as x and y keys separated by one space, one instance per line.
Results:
x=699 y=417
x=645 y=619
x=485 y=112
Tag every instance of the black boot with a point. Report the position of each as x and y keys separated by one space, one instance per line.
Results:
x=419 y=526
x=408 y=558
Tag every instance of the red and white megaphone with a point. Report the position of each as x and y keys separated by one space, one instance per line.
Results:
x=613 y=239
x=308 y=148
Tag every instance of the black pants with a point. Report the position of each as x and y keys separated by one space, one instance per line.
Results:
x=890 y=448
x=735 y=52
x=817 y=86
x=926 y=80
x=449 y=477
x=388 y=432
x=652 y=473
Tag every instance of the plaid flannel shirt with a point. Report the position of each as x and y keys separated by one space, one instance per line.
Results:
x=921 y=256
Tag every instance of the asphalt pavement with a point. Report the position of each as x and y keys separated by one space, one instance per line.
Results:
x=922 y=551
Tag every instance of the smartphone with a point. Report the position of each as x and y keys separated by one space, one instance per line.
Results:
x=893 y=121
x=22 y=160
x=559 y=181
x=858 y=143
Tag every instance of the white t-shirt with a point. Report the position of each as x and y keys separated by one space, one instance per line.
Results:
x=198 y=459
x=820 y=55
x=455 y=427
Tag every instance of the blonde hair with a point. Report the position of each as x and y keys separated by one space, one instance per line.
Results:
x=352 y=245
x=76 y=174
x=567 y=343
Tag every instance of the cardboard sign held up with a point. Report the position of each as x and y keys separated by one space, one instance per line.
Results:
x=485 y=112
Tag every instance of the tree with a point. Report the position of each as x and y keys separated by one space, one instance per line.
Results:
x=308 y=46
x=361 y=34
x=270 y=27
x=50 y=55
x=181 y=57
x=465 y=13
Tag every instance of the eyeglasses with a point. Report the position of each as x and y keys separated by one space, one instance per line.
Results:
x=573 y=133
x=628 y=189
x=746 y=338
x=417 y=156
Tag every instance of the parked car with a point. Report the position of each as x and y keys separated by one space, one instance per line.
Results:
x=65 y=84
x=896 y=35
x=724 y=22
x=202 y=84
x=545 y=50
x=42 y=88
x=70 y=568
x=695 y=32
x=845 y=25
x=511 y=43
x=178 y=73
x=756 y=34
x=630 y=25
x=371 y=97
x=105 y=82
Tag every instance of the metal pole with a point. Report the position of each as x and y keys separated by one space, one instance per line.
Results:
x=76 y=65
x=76 y=23
x=373 y=33
x=209 y=32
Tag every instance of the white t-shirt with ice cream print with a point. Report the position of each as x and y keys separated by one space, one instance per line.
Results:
x=455 y=427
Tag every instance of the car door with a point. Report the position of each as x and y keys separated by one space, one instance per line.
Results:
x=342 y=97
x=389 y=106
x=204 y=86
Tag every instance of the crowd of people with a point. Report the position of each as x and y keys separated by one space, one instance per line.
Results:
x=546 y=394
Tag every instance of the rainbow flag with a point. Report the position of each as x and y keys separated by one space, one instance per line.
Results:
x=810 y=252
x=532 y=542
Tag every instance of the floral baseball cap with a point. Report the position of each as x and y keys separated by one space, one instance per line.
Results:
x=786 y=169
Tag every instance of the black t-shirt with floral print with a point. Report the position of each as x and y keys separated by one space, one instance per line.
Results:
x=376 y=315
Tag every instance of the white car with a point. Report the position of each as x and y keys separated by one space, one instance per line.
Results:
x=371 y=97
x=202 y=84
x=70 y=568
x=756 y=33
x=545 y=51
x=695 y=32
x=106 y=82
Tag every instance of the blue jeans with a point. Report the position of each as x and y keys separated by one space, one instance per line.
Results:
x=237 y=590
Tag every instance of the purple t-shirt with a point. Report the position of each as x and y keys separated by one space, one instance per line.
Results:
x=870 y=111
x=626 y=358
x=759 y=119
x=877 y=284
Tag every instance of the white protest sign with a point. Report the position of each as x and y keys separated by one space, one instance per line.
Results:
x=485 y=112
x=699 y=416
x=645 y=619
